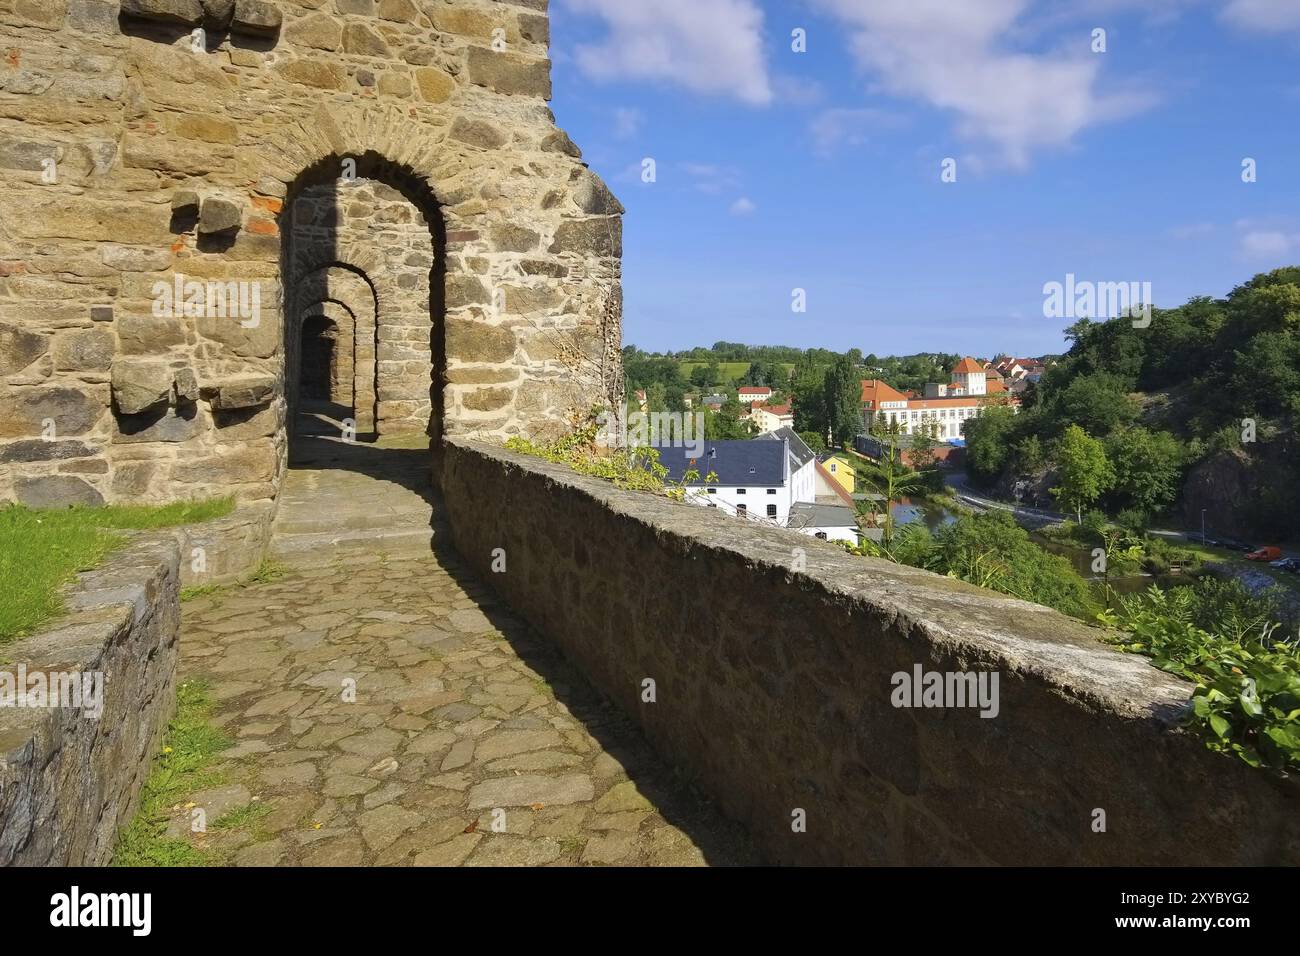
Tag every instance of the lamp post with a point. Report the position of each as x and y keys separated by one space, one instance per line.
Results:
x=1202 y=527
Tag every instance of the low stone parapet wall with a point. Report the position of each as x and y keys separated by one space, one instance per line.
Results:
x=853 y=711
x=227 y=549
x=98 y=692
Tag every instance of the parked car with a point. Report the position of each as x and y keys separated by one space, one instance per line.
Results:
x=1287 y=564
x=1265 y=554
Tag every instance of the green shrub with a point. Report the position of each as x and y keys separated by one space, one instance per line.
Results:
x=991 y=551
x=637 y=469
x=1247 y=697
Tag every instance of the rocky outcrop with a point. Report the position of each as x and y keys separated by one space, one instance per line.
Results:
x=1246 y=494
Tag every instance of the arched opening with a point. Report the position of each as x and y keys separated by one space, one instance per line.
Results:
x=362 y=265
x=319 y=378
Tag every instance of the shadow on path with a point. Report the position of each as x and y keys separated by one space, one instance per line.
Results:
x=337 y=486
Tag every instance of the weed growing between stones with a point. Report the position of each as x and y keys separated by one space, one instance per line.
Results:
x=265 y=573
x=634 y=469
x=184 y=766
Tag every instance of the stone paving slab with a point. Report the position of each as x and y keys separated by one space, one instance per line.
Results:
x=389 y=711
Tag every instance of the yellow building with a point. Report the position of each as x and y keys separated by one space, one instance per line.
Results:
x=841 y=470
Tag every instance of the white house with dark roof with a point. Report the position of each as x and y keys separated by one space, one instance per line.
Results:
x=771 y=478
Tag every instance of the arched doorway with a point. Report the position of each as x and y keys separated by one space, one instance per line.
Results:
x=320 y=347
x=362 y=246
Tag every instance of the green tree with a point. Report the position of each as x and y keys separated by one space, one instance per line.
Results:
x=988 y=442
x=924 y=446
x=1083 y=471
x=893 y=481
x=809 y=409
x=1099 y=403
x=814 y=441
x=842 y=400
x=705 y=376
x=1148 y=468
x=1029 y=455
x=727 y=423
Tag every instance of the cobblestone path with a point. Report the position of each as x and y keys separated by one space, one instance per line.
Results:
x=387 y=710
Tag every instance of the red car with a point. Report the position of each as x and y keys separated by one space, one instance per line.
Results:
x=1265 y=554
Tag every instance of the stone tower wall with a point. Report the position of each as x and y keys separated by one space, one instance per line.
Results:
x=136 y=153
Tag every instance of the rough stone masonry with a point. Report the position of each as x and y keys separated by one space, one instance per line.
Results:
x=198 y=196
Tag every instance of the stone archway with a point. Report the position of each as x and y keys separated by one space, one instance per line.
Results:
x=343 y=374
x=319 y=351
x=350 y=290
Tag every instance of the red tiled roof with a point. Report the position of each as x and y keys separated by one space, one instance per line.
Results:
x=755 y=390
x=966 y=366
x=923 y=403
x=875 y=391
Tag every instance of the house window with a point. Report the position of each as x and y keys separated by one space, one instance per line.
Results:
x=713 y=491
x=832 y=468
x=771 y=491
x=742 y=509
x=713 y=504
x=771 y=511
x=820 y=534
x=740 y=491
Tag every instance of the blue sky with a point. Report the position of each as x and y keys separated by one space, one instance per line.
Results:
x=820 y=170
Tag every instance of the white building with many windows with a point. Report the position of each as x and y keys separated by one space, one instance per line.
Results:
x=942 y=410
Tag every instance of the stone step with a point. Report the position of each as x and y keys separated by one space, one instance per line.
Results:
x=323 y=524
x=405 y=539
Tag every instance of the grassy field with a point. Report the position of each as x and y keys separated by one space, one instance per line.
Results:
x=40 y=551
x=728 y=370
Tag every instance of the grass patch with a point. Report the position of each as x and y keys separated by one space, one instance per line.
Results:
x=201 y=590
x=184 y=766
x=41 y=551
x=241 y=817
x=572 y=844
x=266 y=572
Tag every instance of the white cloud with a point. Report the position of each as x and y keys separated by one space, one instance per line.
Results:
x=627 y=122
x=1271 y=16
x=797 y=90
x=706 y=46
x=711 y=179
x=1269 y=244
x=744 y=206
x=833 y=128
x=953 y=56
